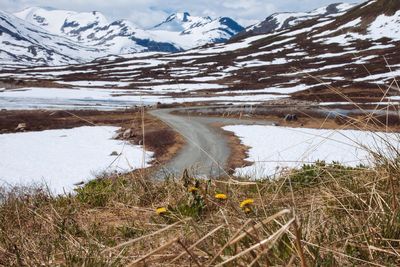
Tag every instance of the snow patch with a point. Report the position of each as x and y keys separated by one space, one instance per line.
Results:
x=61 y=158
x=275 y=148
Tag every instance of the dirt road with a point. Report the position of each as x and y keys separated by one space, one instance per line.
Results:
x=206 y=151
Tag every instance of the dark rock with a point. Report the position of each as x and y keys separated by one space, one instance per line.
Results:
x=114 y=153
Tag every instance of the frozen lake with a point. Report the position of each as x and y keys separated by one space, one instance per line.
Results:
x=110 y=99
x=69 y=98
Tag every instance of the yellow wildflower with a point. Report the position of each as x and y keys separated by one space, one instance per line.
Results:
x=246 y=202
x=193 y=189
x=247 y=210
x=221 y=196
x=161 y=211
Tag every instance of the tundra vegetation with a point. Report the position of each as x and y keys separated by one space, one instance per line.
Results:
x=322 y=214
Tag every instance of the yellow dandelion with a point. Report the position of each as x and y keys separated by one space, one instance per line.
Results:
x=193 y=189
x=246 y=202
x=247 y=210
x=221 y=196
x=161 y=211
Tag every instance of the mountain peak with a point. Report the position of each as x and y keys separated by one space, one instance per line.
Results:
x=181 y=21
x=178 y=16
x=182 y=16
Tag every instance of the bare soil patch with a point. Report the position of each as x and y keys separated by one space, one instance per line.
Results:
x=239 y=151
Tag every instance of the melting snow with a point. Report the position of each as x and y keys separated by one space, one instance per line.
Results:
x=379 y=78
x=273 y=148
x=61 y=158
x=385 y=26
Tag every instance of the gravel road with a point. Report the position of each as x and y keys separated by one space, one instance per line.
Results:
x=206 y=151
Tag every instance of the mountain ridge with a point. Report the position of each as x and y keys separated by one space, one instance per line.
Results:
x=122 y=36
x=284 y=20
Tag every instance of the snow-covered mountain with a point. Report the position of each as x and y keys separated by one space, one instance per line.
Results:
x=93 y=29
x=181 y=21
x=26 y=44
x=285 y=20
x=355 y=53
x=62 y=21
x=190 y=31
x=179 y=31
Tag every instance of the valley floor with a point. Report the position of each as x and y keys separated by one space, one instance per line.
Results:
x=311 y=213
x=210 y=141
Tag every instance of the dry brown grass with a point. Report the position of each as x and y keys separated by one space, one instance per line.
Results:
x=321 y=215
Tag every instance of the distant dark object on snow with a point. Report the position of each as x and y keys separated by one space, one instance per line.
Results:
x=114 y=153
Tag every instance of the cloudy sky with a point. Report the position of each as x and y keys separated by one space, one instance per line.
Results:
x=147 y=13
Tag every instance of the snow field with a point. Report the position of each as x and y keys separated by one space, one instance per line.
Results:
x=59 y=159
x=272 y=149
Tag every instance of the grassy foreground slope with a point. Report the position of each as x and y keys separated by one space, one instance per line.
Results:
x=319 y=215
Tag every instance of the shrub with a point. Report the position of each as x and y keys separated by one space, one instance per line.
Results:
x=96 y=193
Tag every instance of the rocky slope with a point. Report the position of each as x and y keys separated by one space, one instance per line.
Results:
x=285 y=20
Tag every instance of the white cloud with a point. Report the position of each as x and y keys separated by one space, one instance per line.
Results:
x=147 y=13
